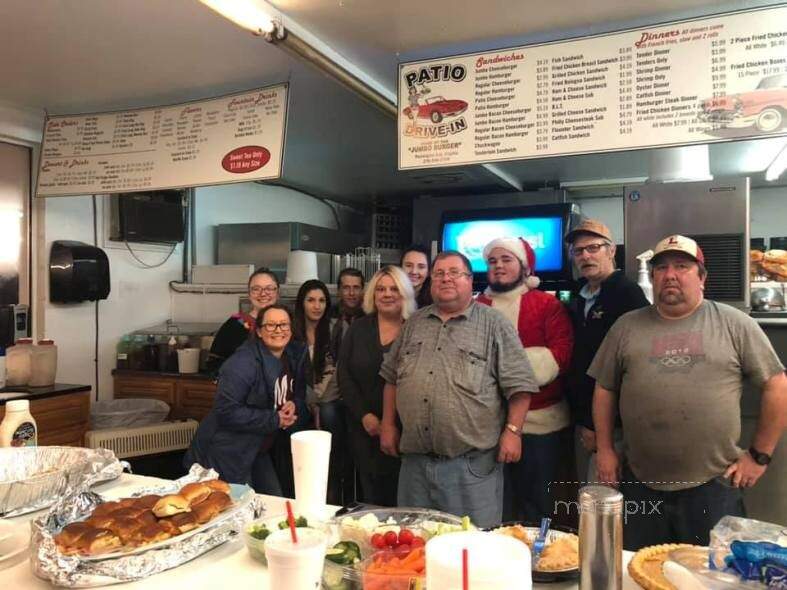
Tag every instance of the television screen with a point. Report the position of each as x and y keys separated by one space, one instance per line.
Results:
x=545 y=235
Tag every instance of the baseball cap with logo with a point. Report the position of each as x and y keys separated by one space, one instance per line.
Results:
x=678 y=243
x=589 y=226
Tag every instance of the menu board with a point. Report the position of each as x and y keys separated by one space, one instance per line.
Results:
x=234 y=138
x=696 y=81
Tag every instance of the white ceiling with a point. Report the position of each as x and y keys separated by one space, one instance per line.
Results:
x=72 y=56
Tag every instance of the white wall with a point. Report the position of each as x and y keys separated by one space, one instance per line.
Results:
x=138 y=297
x=250 y=203
x=768 y=212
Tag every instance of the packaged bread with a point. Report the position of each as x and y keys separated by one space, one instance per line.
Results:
x=774 y=262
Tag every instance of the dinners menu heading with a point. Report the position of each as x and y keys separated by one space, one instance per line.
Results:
x=695 y=81
x=234 y=138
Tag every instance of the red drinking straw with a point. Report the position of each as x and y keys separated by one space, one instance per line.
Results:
x=465 y=575
x=291 y=521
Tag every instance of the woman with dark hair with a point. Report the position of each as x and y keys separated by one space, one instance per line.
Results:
x=260 y=401
x=263 y=291
x=416 y=263
x=312 y=325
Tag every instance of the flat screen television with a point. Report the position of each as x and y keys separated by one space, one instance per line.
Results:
x=543 y=226
x=155 y=217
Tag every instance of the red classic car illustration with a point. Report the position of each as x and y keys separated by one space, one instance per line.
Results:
x=765 y=107
x=436 y=108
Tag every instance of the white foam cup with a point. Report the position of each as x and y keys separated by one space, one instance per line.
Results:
x=311 y=451
x=295 y=566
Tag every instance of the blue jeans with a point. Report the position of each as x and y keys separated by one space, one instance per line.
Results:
x=653 y=517
x=264 y=479
x=470 y=484
x=528 y=480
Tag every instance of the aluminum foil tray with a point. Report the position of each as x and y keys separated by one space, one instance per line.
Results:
x=32 y=478
x=78 y=572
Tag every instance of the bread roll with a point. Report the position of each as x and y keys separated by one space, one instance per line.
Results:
x=218 y=485
x=97 y=541
x=126 y=502
x=125 y=528
x=195 y=492
x=169 y=505
x=100 y=522
x=169 y=526
x=105 y=508
x=127 y=512
x=185 y=521
x=150 y=533
x=71 y=533
x=146 y=502
x=222 y=500
x=205 y=511
x=774 y=262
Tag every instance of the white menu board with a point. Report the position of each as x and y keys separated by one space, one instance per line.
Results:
x=696 y=81
x=234 y=138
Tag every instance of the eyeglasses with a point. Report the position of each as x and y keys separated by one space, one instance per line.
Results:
x=269 y=290
x=590 y=249
x=272 y=327
x=451 y=273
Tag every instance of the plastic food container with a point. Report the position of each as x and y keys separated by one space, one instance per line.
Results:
x=256 y=546
x=357 y=527
x=371 y=580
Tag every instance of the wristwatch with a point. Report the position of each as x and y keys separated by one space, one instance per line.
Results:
x=514 y=429
x=759 y=458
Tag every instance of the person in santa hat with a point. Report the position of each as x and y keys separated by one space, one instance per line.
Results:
x=545 y=330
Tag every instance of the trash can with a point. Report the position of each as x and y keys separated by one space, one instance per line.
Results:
x=119 y=413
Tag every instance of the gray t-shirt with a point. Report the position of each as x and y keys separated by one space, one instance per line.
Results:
x=453 y=378
x=679 y=384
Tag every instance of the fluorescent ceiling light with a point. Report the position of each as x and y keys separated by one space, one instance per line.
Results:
x=247 y=14
x=603 y=182
x=777 y=167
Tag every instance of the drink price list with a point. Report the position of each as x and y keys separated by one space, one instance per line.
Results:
x=234 y=138
x=704 y=80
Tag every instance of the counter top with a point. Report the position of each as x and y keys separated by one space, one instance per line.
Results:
x=154 y=374
x=213 y=569
x=23 y=392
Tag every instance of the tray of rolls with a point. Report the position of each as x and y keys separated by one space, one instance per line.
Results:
x=131 y=525
x=86 y=540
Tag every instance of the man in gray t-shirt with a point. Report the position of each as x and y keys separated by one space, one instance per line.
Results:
x=677 y=368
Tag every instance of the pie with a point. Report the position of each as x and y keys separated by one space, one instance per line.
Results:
x=646 y=567
x=559 y=555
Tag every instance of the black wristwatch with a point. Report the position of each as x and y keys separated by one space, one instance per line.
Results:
x=759 y=458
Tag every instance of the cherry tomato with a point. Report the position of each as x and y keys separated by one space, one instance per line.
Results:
x=405 y=537
x=402 y=550
x=378 y=541
x=391 y=539
x=417 y=542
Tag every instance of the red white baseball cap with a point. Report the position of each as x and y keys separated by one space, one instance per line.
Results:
x=678 y=243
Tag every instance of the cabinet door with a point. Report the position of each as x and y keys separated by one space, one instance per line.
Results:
x=62 y=420
x=195 y=398
x=147 y=387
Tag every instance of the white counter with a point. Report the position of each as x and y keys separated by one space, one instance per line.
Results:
x=228 y=565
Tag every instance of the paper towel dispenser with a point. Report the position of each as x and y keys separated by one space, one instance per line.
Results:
x=77 y=272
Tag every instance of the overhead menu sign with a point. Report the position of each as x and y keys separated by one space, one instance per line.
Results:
x=235 y=138
x=694 y=81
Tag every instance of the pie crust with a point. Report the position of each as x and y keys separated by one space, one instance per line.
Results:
x=646 y=567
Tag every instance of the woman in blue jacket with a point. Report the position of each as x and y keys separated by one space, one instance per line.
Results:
x=260 y=401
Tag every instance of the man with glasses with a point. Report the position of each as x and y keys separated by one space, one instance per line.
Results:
x=676 y=369
x=458 y=380
x=602 y=296
x=544 y=328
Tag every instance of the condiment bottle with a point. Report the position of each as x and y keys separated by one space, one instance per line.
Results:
x=600 y=538
x=18 y=428
x=18 y=360
x=43 y=365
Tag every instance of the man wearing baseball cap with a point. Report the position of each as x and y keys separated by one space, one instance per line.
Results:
x=676 y=370
x=544 y=329
x=603 y=294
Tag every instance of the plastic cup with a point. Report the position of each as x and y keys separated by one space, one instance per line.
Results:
x=495 y=562
x=295 y=566
x=311 y=451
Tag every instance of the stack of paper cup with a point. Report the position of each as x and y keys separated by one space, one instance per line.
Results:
x=301 y=266
x=295 y=566
x=311 y=451
x=494 y=562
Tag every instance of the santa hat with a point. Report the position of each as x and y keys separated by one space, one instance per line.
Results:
x=522 y=250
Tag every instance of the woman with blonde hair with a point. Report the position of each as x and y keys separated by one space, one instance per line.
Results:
x=389 y=300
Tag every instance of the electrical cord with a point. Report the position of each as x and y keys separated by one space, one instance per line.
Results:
x=145 y=264
x=322 y=200
x=95 y=350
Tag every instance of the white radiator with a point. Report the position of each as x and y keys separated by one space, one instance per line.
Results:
x=138 y=441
